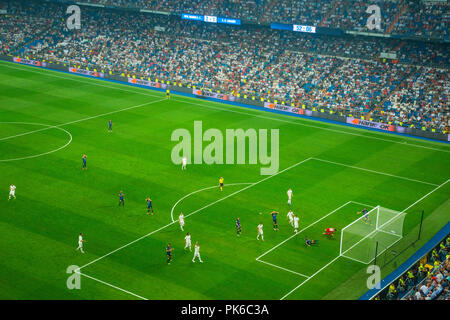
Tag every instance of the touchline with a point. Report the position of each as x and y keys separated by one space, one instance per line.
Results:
x=216 y=152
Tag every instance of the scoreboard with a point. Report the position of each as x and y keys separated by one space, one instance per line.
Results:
x=293 y=27
x=210 y=19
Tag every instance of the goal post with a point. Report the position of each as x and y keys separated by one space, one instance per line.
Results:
x=380 y=225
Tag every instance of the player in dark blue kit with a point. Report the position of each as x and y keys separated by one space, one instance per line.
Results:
x=274 y=218
x=121 y=198
x=84 y=162
x=365 y=215
x=309 y=242
x=149 y=206
x=169 y=250
x=110 y=125
x=238 y=227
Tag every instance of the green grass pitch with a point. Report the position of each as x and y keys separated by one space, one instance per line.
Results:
x=48 y=120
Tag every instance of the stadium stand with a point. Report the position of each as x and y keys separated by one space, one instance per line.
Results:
x=420 y=18
x=428 y=279
x=343 y=74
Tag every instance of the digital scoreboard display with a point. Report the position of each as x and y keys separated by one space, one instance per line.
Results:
x=300 y=28
x=293 y=27
x=210 y=19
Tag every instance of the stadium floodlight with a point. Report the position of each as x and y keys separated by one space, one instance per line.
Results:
x=359 y=238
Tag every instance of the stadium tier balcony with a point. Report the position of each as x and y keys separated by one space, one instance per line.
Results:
x=425 y=18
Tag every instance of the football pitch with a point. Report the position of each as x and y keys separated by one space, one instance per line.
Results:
x=48 y=120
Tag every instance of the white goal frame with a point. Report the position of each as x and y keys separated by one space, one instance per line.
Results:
x=378 y=228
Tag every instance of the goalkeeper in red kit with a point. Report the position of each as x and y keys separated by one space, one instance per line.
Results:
x=329 y=232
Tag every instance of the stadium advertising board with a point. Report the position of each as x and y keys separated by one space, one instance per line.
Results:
x=371 y=124
x=30 y=62
x=87 y=72
x=215 y=95
x=147 y=83
x=281 y=107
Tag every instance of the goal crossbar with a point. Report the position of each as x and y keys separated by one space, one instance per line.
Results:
x=377 y=228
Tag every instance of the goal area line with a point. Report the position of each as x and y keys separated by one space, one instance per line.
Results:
x=299 y=232
x=336 y=258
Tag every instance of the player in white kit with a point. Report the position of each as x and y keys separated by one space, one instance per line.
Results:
x=290 y=216
x=12 y=192
x=187 y=241
x=184 y=162
x=260 y=232
x=197 y=253
x=289 y=194
x=296 y=222
x=80 y=243
x=181 y=221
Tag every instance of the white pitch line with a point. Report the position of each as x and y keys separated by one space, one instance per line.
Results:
x=392 y=234
x=426 y=195
x=354 y=259
x=374 y=171
x=40 y=154
x=111 y=285
x=47 y=73
x=288 y=270
x=198 y=210
x=80 y=120
x=197 y=191
x=363 y=204
x=295 y=234
x=74 y=77
x=322 y=128
x=313 y=275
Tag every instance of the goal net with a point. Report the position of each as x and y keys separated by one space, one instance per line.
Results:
x=371 y=234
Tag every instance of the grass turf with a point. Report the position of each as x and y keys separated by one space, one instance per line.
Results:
x=56 y=200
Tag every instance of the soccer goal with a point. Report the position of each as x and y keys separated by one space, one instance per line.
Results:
x=371 y=234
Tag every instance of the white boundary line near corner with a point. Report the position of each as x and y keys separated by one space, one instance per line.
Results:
x=354 y=259
x=110 y=285
x=47 y=127
x=332 y=261
x=197 y=191
x=374 y=171
x=285 y=269
x=198 y=210
x=364 y=204
x=51 y=74
x=312 y=276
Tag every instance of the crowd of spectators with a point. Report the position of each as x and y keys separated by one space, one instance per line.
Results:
x=340 y=74
x=428 y=279
x=421 y=18
x=424 y=19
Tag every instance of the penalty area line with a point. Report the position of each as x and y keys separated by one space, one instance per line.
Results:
x=111 y=285
x=285 y=269
x=332 y=261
